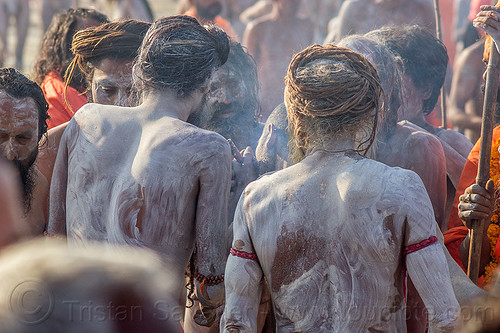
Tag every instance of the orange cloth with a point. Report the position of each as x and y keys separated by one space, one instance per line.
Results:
x=452 y=240
x=218 y=22
x=59 y=112
x=468 y=178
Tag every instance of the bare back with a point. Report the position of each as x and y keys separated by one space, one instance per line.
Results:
x=362 y=16
x=273 y=43
x=142 y=183
x=329 y=233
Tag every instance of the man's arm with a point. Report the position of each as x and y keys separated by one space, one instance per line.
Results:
x=12 y=227
x=468 y=72
x=424 y=155
x=251 y=41
x=243 y=279
x=59 y=184
x=425 y=260
x=211 y=225
x=429 y=273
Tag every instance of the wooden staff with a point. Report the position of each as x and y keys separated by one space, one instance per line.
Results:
x=444 y=123
x=483 y=175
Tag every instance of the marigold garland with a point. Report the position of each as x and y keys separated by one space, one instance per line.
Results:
x=494 y=227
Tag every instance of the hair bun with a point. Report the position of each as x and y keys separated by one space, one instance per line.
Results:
x=221 y=43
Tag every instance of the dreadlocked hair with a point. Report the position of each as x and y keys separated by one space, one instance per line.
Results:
x=55 y=52
x=330 y=91
x=190 y=275
x=179 y=54
x=117 y=40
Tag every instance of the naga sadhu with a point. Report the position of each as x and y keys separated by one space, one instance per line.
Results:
x=314 y=230
x=142 y=175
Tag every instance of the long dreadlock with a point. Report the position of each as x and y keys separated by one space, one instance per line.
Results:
x=330 y=90
x=116 y=40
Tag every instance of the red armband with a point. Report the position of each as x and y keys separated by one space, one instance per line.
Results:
x=415 y=247
x=244 y=255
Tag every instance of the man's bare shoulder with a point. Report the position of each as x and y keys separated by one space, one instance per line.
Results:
x=206 y=140
x=365 y=175
x=414 y=146
x=458 y=141
x=413 y=135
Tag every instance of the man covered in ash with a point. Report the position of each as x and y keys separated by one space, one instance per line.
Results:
x=23 y=122
x=142 y=175
x=231 y=108
x=272 y=40
x=231 y=105
x=333 y=233
x=362 y=16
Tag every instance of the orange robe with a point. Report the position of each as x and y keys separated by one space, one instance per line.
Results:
x=59 y=111
x=457 y=231
x=218 y=22
x=468 y=178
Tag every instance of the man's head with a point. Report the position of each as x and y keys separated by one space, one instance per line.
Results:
x=389 y=68
x=105 y=54
x=231 y=106
x=424 y=57
x=180 y=55
x=207 y=9
x=331 y=92
x=23 y=115
x=55 y=52
x=91 y=289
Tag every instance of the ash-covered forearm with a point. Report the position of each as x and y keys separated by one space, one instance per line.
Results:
x=429 y=272
x=58 y=188
x=243 y=290
x=243 y=279
x=211 y=214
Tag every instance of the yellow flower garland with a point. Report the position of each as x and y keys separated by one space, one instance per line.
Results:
x=494 y=227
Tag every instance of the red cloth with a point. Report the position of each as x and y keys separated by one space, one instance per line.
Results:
x=452 y=240
x=59 y=112
x=218 y=22
x=468 y=178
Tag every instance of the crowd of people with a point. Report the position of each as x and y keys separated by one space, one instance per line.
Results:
x=250 y=166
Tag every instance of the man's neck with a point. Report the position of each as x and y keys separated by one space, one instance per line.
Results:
x=158 y=104
x=334 y=145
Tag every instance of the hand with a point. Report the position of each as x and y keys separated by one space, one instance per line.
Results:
x=211 y=303
x=488 y=20
x=477 y=203
x=266 y=150
x=208 y=316
x=244 y=172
